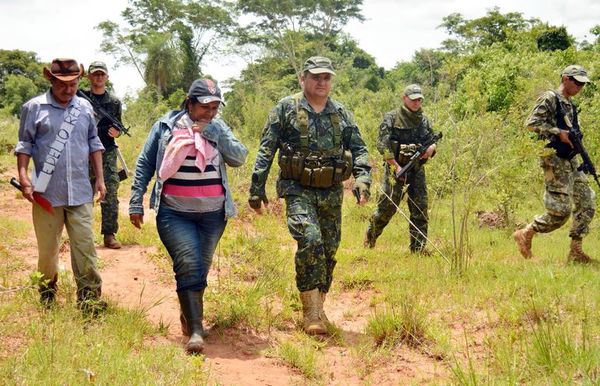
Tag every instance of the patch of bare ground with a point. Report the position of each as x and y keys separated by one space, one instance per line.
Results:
x=233 y=356
x=471 y=335
x=350 y=312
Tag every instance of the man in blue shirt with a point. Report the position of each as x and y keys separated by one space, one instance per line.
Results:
x=58 y=131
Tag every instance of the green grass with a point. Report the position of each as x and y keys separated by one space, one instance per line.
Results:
x=480 y=312
x=301 y=353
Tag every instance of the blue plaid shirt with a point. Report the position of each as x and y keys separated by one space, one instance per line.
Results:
x=41 y=118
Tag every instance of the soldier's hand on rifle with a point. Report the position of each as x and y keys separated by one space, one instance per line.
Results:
x=137 y=219
x=255 y=203
x=114 y=132
x=429 y=152
x=564 y=137
x=363 y=192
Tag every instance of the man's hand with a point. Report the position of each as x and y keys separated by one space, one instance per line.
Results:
x=564 y=137
x=363 y=191
x=137 y=219
x=26 y=188
x=100 y=188
x=429 y=152
x=114 y=133
x=255 y=203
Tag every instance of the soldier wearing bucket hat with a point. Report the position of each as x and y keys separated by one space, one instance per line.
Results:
x=51 y=123
x=567 y=191
x=319 y=147
x=400 y=134
x=103 y=99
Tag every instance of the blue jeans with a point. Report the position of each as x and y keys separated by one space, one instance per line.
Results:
x=191 y=240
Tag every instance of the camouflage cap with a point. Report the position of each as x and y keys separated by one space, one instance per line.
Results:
x=97 y=66
x=577 y=72
x=64 y=69
x=318 y=65
x=413 y=92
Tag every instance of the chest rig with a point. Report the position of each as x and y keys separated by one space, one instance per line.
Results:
x=315 y=169
x=404 y=141
x=563 y=150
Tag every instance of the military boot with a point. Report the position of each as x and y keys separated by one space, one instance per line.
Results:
x=322 y=315
x=369 y=242
x=111 y=242
x=311 y=308
x=184 y=326
x=48 y=292
x=190 y=301
x=576 y=253
x=523 y=239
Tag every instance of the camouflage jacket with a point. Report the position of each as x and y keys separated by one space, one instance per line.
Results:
x=542 y=119
x=112 y=105
x=405 y=126
x=282 y=129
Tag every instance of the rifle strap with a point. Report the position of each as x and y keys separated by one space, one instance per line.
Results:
x=562 y=119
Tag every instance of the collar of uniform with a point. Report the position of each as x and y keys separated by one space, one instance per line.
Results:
x=563 y=98
x=101 y=98
x=329 y=106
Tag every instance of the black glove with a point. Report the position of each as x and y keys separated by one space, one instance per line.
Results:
x=255 y=202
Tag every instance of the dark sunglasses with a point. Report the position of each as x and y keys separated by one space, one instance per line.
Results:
x=577 y=83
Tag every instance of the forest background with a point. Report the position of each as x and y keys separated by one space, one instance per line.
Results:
x=537 y=317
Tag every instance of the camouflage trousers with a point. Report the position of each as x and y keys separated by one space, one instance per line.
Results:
x=110 y=206
x=417 y=206
x=566 y=191
x=314 y=219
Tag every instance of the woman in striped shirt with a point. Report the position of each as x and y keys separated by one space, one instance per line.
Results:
x=189 y=150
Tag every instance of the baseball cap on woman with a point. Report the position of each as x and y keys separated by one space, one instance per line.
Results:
x=205 y=91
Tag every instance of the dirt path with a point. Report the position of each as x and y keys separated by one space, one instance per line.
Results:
x=131 y=279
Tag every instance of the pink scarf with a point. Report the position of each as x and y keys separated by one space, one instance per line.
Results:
x=186 y=142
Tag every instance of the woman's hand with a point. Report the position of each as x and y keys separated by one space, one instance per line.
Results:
x=137 y=219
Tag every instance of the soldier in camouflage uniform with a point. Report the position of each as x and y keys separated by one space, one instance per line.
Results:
x=319 y=146
x=400 y=134
x=98 y=75
x=566 y=189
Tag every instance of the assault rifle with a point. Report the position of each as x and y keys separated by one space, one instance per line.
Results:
x=575 y=136
x=114 y=122
x=415 y=157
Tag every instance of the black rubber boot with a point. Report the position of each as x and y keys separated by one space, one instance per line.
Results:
x=191 y=307
x=184 y=327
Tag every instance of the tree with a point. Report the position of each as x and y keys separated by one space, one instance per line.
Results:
x=554 y=38
x=173 y=35
x=287 y=26
x=20 y=78
x=495 y=27
x=18 y=89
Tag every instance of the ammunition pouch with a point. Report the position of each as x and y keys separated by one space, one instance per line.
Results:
x=316 y=171
x=402 y=152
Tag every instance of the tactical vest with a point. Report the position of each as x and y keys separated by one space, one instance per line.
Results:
x=315 y=169
x=403 y=141
x=563 y=150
